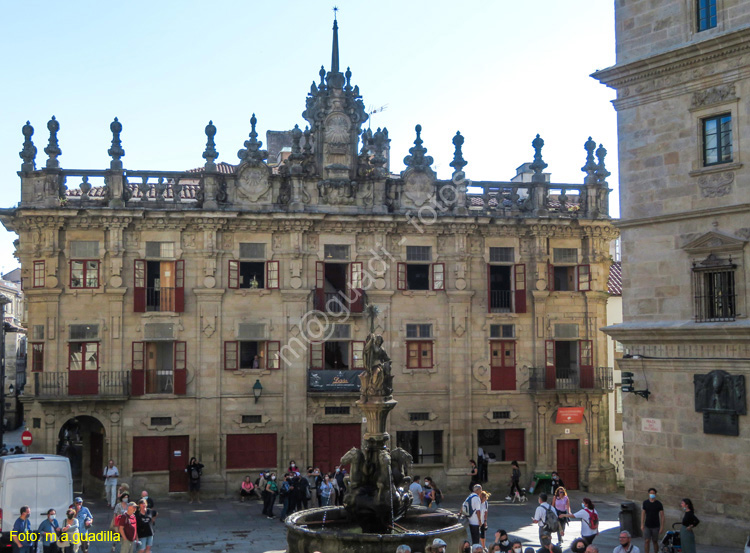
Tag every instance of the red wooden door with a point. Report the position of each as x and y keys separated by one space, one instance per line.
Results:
x=331 y=441
x=567 y=463
x=96 y=454
x=179 y=457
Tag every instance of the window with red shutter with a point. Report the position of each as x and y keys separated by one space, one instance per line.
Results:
x=37 y=357
x=550 y=374
x=251 y=451
x=515 y=449
x=179 y=290
x=137 y=374
x=519 y=278
x=180 y=368
x=139 y=286
x=586 y=362
x=356 y=293
x=320 y=282
x=502 y=365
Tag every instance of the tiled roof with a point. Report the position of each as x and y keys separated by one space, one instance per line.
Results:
x=614 y=284
x=221 y=167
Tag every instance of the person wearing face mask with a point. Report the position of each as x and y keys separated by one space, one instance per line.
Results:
x=502 y=540
x=547 y=545
x=341 y=486
x=516 y=547
x=689 y=521
x=556 y=482
x=589 y=520
x=49 y=528
x=465 y=547
x=626 y=546
x=578 y=545
x=652 y=521
x=271 y=491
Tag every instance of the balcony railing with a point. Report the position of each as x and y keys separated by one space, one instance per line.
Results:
x=160 y=299
x=501 y=301
x=339 y=302
x=64 y=384
x=572 y=379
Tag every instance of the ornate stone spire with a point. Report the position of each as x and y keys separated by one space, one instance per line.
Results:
x=418 y=160
x=335 y=46
x=538 y=166
x=28 y=153
x=253 y=154
x=116 y=151
x=590 y=167
x=210 y=154
x=601 y=170
x=53 y=148
x=458 y=162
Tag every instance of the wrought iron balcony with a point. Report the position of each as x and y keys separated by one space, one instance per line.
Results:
x=501 y=301
x=96 y=384
x=558 y=379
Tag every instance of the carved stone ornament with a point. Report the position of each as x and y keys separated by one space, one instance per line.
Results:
x=419 y=187
x=714 y=95
x=253 y=184
x=337 y=129
x=716 y=185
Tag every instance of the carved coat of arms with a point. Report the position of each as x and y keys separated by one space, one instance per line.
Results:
x=253 y=183
x=419 y=187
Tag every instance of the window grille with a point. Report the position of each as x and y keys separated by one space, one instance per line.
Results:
x=84 y=332
x=158 y=331
x=419 y=331
x=502 y=331
x=501 y=414
x=418 y=253
x=159 y=249
x=714 y=292
x=84 y=249
x=502 y=255
x=341 y=332
x=337 y=410
x=161 y=421
x=419 y=416
x=336 y=251
x=251 y=331
x=252 y=419
x=566 y=330
x=565 y=255
x=252 y=250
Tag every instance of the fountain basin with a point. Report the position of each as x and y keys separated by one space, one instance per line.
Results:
x=307 y=534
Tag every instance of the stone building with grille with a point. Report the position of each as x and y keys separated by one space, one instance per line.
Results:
x=683 y=81
x=218 y=313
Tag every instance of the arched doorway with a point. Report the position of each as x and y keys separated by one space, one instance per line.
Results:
x=81 y=439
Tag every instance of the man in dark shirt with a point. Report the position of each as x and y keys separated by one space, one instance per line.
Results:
x=127 y=526
x=652 y=521
x=22 y=527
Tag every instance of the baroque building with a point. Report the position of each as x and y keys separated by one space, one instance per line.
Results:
x=682 y=72
x=218 y=313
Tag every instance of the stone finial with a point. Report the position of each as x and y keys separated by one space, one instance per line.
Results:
x=28 y=153
x=252 y=152
x=296 y=140
x=601 y=170
x=590 y=167
x=176 y=190
x=335 y=48
x=538 y=166
x=418 y=160
x=85 y=187
x=160 y=187
x=322 y=73
x=378 y=144
x=53 y=148
x=210 y=154
x=458 y=162
x=307 y=148
x=116 y=151
x=366 y=142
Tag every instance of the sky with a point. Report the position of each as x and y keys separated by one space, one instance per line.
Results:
x=499 y=71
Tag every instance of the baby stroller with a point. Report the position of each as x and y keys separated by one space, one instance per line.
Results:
x=670 y=543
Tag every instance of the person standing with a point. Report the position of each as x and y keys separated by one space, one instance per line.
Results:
x=556 y=482
x=626 y=546
x=473 y=475
x=285 y=494
x=540 y=515
x=48 y=532
x=515 y=482
x=143 y=518
x=260 y=486
x=120 y=509
x=303 y=487
x=474 y=507
x=326 y=489
x=652 y=521
x=85 y=520
x=589 y=520
x=312 y=487
x=127 y=526
x=271 y=491
x=22 y=526
x=340 y=485
x=547 y=546
x=70 y=531
x=195 y=471
x=484 y=507
x=689 y=521
x=111 y=474
x=561 y=503
x=417 y=493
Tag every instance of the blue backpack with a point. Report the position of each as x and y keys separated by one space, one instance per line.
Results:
x=466 y=509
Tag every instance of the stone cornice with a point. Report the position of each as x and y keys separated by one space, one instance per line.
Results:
x=679 y=331
x=693 y=214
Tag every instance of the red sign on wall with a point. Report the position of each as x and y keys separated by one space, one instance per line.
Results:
x=569 y=415
x=26 y=438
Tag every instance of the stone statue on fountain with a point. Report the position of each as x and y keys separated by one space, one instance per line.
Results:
x=378 y=493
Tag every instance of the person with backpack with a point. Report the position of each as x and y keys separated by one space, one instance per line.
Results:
x=470 y=509
x=589 y=520
x=194 y=470
x=546 y=517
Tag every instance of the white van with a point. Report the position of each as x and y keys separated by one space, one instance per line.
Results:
x=42 y=482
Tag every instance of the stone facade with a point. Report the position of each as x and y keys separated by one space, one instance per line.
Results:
x=684 y=197
x=154 y=292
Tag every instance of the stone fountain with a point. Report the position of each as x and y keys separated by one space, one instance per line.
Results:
x=377 y=515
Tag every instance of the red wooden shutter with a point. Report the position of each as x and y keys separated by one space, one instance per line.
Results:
x=316 y=355
x=489 y=288
x=508 y=372
x=179 y=286
x=586 y=362
x=550 y=277
x=550 y=376
x=137 y=374
x=401 y=276
x=584 y=278
x=139 y=286
x=273 y=359
x=514 y=445
x=234 y=274
x=320 y=282
x=180 y=368
x=519 y=272
x=438 y=276
x=231 y=357
x=272 y=275
x=356 y=293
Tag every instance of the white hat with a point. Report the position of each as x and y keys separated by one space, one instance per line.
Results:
x=438 y=542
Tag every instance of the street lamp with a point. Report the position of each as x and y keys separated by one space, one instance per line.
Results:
x=257 y=390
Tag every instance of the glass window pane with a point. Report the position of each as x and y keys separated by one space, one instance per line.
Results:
x=75 y=356
x=76 y=274
x=92 y=355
